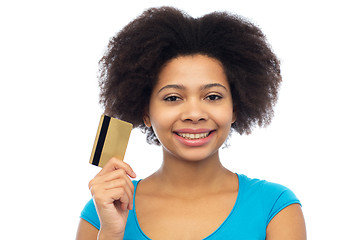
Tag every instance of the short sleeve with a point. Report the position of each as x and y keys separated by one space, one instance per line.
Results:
x=90 y=215
x=282 y=197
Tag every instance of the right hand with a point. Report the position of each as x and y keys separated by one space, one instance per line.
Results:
x=112 y=192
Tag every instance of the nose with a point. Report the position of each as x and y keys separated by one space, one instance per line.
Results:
x=194 y=111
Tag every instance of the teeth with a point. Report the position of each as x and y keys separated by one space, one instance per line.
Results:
x=191 y=136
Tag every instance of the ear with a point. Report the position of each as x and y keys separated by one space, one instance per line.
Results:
x=234 y=116
x=147 y=121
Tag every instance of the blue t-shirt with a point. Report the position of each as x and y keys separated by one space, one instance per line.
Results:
x=257 y=202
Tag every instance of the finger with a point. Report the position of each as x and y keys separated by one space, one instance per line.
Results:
x=101 y=189
x=127 y=186
x=117 y=174
x=119 y=183
x=129 y=194
x=112 y=196
x=115 y=164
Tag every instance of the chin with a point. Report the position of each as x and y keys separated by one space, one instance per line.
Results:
x=197 y=155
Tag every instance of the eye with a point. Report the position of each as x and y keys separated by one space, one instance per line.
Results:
x=171 y=98
x=213 y=97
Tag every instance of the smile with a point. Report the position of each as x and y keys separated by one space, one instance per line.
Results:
x=192 y=136
x=195 y=137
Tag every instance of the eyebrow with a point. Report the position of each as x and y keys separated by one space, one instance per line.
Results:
x=175 y=86
x=181 y=87
x=212 y=85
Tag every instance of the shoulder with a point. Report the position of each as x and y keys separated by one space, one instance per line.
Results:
x=272 y=197
x=280 y=206
x=287 y=224
x=90 y=215
x=263 y=187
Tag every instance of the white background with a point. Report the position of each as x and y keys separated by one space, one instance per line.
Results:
x=49 y=110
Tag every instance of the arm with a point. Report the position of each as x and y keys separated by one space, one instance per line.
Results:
x=112 y=192
x=287 y=224
x=86 y=231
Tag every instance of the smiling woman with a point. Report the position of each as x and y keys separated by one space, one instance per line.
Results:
x=203 y=77
x=191 y=99
x=131 y=66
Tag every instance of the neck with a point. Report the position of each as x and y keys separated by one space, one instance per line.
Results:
x=180 y=176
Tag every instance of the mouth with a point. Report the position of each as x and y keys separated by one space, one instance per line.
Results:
x=193 y=136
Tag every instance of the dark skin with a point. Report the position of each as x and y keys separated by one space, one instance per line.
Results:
x=192 y=94
x=188 y=207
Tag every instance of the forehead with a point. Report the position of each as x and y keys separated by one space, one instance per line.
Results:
x=192 y=71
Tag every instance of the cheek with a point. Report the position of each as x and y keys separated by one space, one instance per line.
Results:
x=224 y=116
x=162 y=119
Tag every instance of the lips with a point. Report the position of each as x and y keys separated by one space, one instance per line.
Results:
x=194 y=137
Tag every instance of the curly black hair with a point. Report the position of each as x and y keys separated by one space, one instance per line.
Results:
x=130 y=67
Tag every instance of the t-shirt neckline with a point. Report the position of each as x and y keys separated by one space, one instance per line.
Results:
x=240 y=187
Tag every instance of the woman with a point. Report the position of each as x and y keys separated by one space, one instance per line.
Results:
x=188 y=83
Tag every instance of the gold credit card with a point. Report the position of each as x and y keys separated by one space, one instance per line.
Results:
x=111 y=140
